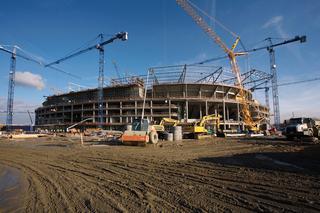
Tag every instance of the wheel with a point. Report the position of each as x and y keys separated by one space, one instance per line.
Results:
x=153 y=137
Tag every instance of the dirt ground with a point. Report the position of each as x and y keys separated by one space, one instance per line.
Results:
x=215 y=175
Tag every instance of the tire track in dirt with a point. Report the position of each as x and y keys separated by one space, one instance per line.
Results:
x=171 y=178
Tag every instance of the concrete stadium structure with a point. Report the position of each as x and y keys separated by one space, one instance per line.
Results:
x=186 y=95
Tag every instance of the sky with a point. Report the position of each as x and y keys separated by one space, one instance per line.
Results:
x=160 y=33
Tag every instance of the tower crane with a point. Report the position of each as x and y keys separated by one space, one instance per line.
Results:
x=10 y=97
x=100 y=47
x=245 y=110
x=14 y=54
x=273 y=71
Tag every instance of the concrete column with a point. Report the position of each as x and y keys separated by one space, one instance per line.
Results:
x=63 y=109
x=107 y=112
x=120 y=112
x=71 y=114
x=228 y=114
x=135 y=109
x=81 y=111
x=94 y=113
x=151 y=111
x=206 y=107
x=200 y=110
x=238 y=115
x=169 y=108
x=186 y=111
x=186 y=90
x=224 y=114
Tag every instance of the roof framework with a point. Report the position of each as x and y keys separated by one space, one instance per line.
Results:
x=196 y=74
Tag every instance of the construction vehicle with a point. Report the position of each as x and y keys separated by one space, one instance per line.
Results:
x=302 y=128
x=165 y=125
x=208 y=124
x=142 y=133
x=190 y=9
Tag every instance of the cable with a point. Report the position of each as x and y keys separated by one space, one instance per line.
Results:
x=214 y=19
x=299 y=82
x=86 y=44
x=210 y=60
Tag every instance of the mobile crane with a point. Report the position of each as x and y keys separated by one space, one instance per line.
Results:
x=245 y=110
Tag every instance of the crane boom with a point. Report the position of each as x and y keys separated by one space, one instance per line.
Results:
x=246 y=115
x=201 y=22
x=122 y=35
x=302 y=39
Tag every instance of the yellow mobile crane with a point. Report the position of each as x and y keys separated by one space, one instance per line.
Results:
x=245 y=111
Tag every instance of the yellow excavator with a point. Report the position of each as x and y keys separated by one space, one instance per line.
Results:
x=165 y=124
x=208 y=124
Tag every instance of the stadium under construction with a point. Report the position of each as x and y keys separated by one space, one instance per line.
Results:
x=183 y=92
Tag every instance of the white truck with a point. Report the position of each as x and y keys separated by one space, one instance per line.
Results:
x=302 y=128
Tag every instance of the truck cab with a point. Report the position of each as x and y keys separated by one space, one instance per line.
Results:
x=301 y=127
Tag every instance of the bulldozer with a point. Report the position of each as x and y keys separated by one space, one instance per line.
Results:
x=142 y=133
x=208 y=124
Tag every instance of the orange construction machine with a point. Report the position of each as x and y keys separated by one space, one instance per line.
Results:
x=142 y=133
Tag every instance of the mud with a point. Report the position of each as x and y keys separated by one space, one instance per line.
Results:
x=12 y=185
x=215 y=175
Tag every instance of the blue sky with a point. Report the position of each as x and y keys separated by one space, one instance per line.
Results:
x=160 y=33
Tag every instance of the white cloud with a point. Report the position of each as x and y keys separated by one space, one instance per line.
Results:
x=29 y=79
x=274 y=21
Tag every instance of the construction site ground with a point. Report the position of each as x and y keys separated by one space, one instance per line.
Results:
x=58 y=174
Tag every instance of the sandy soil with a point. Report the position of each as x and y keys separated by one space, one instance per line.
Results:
x=207 y=176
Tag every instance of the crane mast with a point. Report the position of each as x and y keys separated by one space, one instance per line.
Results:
x=274 y=83
x=100 y=81
x=246 y=115
x=12 y=74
